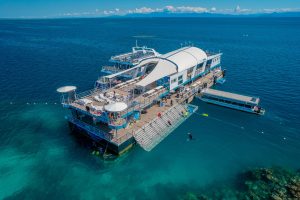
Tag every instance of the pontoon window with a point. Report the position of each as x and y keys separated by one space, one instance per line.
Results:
x=180 y=80
x=173 y=80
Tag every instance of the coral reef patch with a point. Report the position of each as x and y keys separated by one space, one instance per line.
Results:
x=260 y=183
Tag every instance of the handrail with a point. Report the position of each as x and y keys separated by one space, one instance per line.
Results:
x=157 y=118
x=146 y=102
x=90 y=128
x=87 y=93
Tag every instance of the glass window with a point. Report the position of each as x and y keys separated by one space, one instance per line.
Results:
x=199 y=66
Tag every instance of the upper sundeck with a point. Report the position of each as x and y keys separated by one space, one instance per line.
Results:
x=96 y=99
x=134 y=57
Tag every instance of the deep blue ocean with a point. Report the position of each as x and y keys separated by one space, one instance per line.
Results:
x=40 y=159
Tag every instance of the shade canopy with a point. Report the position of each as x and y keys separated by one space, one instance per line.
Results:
x=163 y=68
x=174 y=62
x=186 y=57
x=66 y=89
x=115 y=107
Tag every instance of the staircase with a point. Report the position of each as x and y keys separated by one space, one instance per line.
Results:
x=159 y=128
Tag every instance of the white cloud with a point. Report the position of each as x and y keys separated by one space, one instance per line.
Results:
x=115 y=11
x=143 y=10
x=180 y=9
x=189 y=9
x=213 y=9
x=170 y=9
x=271 y=10
x=240 y=10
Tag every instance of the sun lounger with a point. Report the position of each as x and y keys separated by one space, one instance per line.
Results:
x=97 y=108
x=97 y=98
x=84 y=101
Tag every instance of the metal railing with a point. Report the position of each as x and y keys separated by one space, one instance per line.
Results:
x=95 y=131
x=159 y=118
x=87 y=93
x=146 y=101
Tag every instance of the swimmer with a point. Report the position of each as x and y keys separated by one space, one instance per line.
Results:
x=190 y=136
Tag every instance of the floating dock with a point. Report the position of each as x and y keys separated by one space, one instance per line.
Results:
x=142 y=103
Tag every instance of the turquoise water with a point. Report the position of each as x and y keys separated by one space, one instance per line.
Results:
x=39 y=159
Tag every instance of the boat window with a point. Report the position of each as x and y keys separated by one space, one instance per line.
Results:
x=173 y=80
x=199 y=66
x=180 y=79
x=253 y=99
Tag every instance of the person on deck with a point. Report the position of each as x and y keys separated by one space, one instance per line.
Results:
x=159 y=115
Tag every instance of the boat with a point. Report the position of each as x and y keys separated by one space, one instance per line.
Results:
x=232 y=100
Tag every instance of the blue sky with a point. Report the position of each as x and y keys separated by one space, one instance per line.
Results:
x=99 y=8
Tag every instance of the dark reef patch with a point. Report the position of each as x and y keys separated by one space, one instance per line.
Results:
x=260 y=183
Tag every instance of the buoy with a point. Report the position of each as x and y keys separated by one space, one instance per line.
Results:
x=205 y=115
x=97 y=153
x=93 y=153
x=284 y=138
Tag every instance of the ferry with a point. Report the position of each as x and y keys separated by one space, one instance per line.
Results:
x=232 y=100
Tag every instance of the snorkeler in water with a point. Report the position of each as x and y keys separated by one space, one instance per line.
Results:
x=190 y=136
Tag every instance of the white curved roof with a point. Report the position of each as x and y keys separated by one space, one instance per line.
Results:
x=173 y=62
x=186 y=57
x=163 y=68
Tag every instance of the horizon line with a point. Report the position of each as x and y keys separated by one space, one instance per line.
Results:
x=150 y=15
